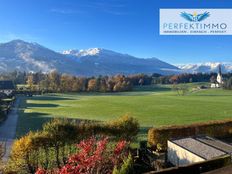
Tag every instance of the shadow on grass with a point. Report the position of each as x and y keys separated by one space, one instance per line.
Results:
x=46 y=105
x=31 y=122
x=50 y=97
x=34 y=122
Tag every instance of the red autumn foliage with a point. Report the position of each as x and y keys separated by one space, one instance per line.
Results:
x=93 y=156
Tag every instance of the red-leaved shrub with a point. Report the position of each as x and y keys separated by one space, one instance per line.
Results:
x=93 y=156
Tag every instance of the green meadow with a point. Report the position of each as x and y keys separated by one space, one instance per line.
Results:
x=152 y=106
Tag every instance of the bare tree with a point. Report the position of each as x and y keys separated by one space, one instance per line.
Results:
x=181 y=89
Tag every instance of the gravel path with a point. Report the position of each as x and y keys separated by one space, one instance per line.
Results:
x=8 y=130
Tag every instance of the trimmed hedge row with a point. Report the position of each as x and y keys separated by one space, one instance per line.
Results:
x=159 y=136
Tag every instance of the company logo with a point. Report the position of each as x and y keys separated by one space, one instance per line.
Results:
x=195 y=17
x=195 y=22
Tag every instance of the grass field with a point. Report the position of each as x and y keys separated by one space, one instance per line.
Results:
x=152 y=106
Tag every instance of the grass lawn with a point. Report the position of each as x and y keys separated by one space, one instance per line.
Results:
x=153 y=107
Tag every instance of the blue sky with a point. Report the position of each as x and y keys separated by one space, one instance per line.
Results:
x=127 y=26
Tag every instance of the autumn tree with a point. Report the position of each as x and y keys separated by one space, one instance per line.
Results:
x=65 y=83
x=44 y=84
x=54 y=80
x=92 y=85
x=103 y=85
x=30 y=81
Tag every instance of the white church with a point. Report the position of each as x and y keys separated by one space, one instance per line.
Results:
x=219 y=81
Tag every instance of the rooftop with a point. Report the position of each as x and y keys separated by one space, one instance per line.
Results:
x=205 y=147
x=225 y=147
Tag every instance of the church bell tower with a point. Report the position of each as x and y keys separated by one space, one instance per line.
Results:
x=219 y=76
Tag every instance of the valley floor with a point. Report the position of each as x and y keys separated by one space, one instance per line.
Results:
x=157 y=107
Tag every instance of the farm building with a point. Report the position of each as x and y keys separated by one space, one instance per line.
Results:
x=7 y=87
x=196 y=149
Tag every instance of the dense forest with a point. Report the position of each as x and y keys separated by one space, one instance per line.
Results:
x=56 y=82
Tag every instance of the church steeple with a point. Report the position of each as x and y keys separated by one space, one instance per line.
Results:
x=219 y=69
x=219 y=76
x=219 y=81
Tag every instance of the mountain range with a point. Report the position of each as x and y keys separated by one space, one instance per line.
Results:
x=33 y=57
x=206 y=67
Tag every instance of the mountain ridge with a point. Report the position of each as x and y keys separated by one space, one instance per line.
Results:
x=32 y=57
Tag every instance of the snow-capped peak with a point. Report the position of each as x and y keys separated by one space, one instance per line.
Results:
x=206 y=67
x=71 y=52
x=90 y=52
x=80 y=53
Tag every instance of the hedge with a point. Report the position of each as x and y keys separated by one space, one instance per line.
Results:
x=159 y=136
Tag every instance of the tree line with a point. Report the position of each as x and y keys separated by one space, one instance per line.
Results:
x=228 y=84
x=57 y=82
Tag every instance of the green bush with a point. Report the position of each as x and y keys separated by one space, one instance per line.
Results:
x=124 y=127
x=126 y=168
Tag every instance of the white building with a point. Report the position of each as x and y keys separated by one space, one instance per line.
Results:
x=219 y=81
x=191 y=150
